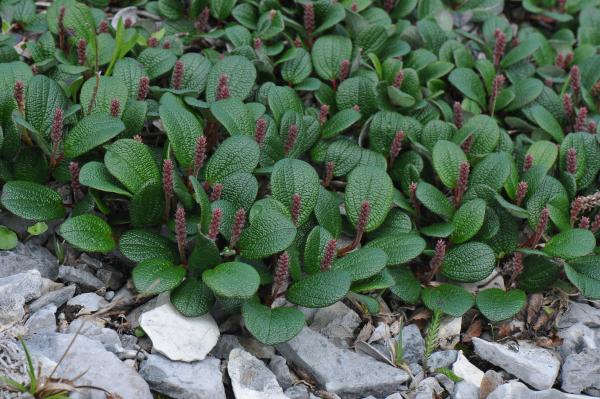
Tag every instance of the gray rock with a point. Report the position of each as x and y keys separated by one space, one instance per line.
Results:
x=179 y=380
x=128 y=341
x=93 y=328
x=87 y=260
x=57 y=298
x=109 y=295
x=395 y=396
x=112 y=279
x=42 y=321
x=89 y=302
x=225 y=345
x=446 y=382
x=536 y=366
x=297 y=392
x=279 y=367
x=413 y=344
x=442 y=359
x=84 y=279
x=337 y=322
x=250 y=378
x=28 y=257
x=465 y=390
x=103 y=369
x=449 y=332
x=577 y=338
x=467 y=371
x=27 y=284
x=428 y=388
x=581 y=371
x=256 y=348
x=491 y=380
x=518 y=390
x=11 y=310
x=360 y=375
x=579 y=313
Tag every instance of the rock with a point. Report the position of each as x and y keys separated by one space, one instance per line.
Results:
x=577 y=338
x=491 y=381
x=446 y=382
x=178 y=337
x=128 y=341
x=279 y=367
x=428 y=388
x=11 y=310
x=449 y=333
x=84 y=279
x=395 y=396
x=57 y=298
x=579 y=313
x=93 y=328
x=112 y=279
x=467 y=371
x=87 y=260
x=442 y=359
x=257 y=349
x=225 y=345
x=360 y=375
x=28 y=257
x=518 y=390
x=536 y=366
x=465 y=390
x=103 y=369
x=27 y=284
x=297 y=392
x=89 y=302
x=581 y=371
x=49 y=286
x=42 y=321
x=109 y=295
x=250 y=378
x=413 y=344
x=180 y=380
x=337 y=322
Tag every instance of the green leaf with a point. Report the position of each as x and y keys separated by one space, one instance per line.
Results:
x=153 y=276
x=234 y=115
x=272 y=326
x=182 y=127
x=434 y=200
x=109 y=89
x=469 y=84
x=571 y=244
x=157 y=61
x=192 y=298
x=359 y=91
x=447 y=158
x=240 y=189
x=234 y=155
x=8 y=238
x=522 y=51
x=538 y=274
x=32 y=201
x=314 y=249
x=367 y=183
x=327 y=212
x=327 y=54
x=91 y=132
x=140 y=245
x=449 y=299
x=584 y=274
x=547 y=122
x=195 y=72
x=37 y=229
x=283 y=99
x=320 y=290
x=381 y=281
x=132 y=163
x=221 y=9
x=290 y=177
x=470 y=262
x=467 y=220
x=485 y=132
x=269 y=232
x=297 y=69
x=497 y=305
x=544 y=153
x=362 y=264
x=399 y=247
x=241 y=76
x=407 y=287
x=235 y=280
x=95 y=175
x=340 y=122
x=147 y=207
x=88 y=233
x=44 y=96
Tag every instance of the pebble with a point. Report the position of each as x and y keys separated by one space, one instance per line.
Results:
x=337 y=322
x=465 y=390
x=442 y=359
x=28 y=256
x=449 y=332
x=581 y=371
x=579 y=313
x=84 y=279
x=428 y=388
x=279 y=367
x=518 y=390
x=536 y=366
x=178 y=337
x=250 y=378
x=413 y=344
x=42 y=321
x=467 y=371
x=27 y=284
x=58 y=298
x=89 y=302
x=11 y=310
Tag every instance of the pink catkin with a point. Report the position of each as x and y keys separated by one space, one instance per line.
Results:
x=167 y=179
x=458 y=115
x=178 y=72
x=215 y=224
x=258 y=43
x=436 y=262
x=521 y=192
x=559 y=61
x=584 y=222
x=238 y=226
x=354 y=7
x=497 y=85
x=596 y=223
x=57 y=127
x=576 y=208
x=103 y=27
x=296 y=207
x=461 y=183
x=215 y=195
x=291 y=139
x=396 y=146
x=363 y=218
x=202 y=22
x=571 y=161
x=143 y=88
x=152 y=42
x=282 y=273
x=499 y=46
x=595 y=92
x=541 y=227
x=412 y=191
x=568 y=105
x=223 y=87
x=398 y=79
x=19 y=93
x=388 y=5
x=330 y=251
x=128 y=23
x=260 y=131
x=166 y=45
x=329 y=167
x=180 y=232
x=75 y=185
x=344 y=70
x=323 y=113
x=467 y=144
x=138 y=138
x=592 y=127
x=309 y=18
x=527 y=162
x=199 y=154
x=81 y=51
x=580 y=125
x=115 y=108
x=575 y=78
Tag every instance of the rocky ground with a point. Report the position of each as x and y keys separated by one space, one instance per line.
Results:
x=81 y=323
